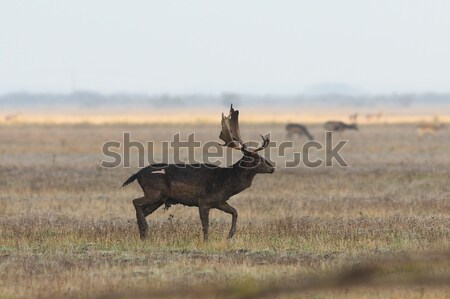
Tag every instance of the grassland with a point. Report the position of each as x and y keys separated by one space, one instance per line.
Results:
x=67 y=230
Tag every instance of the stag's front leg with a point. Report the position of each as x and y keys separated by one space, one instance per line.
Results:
x=204 y=217
x=230 y=210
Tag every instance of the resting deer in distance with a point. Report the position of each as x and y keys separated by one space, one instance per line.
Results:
x=339 y=126
x=429 y=128
x=298 y=129
x=204 y=186
x=12 y=117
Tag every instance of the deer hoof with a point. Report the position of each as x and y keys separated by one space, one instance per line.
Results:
x=143 y=235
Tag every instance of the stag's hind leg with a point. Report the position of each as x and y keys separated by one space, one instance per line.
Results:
x=145 y=206
x=230 y=210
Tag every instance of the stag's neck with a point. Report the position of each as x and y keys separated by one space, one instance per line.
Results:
x=239 y=178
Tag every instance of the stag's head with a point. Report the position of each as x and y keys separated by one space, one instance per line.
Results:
x=231 y=135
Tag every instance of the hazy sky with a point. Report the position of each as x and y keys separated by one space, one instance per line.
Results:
x=213 y=46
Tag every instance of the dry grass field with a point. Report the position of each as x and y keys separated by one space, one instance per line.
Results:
x=379 y=228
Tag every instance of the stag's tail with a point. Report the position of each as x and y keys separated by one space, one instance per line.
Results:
x=143 y=171
x=130 y=179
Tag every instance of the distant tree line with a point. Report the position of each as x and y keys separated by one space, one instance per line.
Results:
x=93 y=99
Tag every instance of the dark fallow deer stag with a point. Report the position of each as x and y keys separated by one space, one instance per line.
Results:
x=204 y=186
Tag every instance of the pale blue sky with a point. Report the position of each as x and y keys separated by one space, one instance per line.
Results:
x=213 y=46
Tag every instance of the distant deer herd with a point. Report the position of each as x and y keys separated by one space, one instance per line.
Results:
x=208 y=186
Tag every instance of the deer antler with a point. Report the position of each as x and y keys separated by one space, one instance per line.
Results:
x=265 y=143
x=231 y=135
